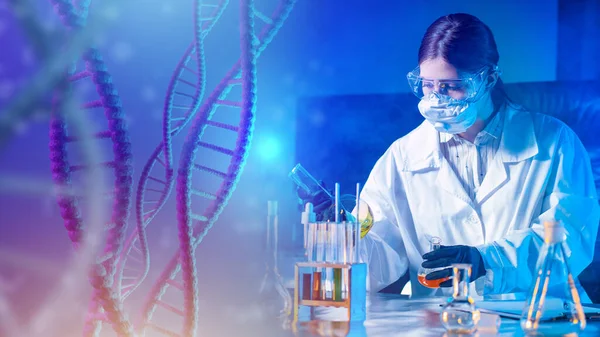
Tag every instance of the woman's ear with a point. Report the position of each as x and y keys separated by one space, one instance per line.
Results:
x=492 y=79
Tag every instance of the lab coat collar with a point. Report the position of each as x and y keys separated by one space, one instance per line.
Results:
x=518 y=142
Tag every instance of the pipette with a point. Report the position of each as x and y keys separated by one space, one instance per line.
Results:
x=308 y=217
x=337 y=203
x=357 y=230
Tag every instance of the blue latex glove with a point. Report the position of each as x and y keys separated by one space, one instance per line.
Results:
x=445 y=256
x=321 y=202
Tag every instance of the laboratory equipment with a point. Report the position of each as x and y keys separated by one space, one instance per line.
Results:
x=330 y=329
x=553 y=278
x=460 y=315
x=333 y=276
x=322 y=199
x=308 y=216
x=275 y=300
x=307 y=182
x=434 y=244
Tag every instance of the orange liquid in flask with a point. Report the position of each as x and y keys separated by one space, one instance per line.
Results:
x=433 y=284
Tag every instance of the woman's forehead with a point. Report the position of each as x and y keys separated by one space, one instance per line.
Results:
x=437 y=69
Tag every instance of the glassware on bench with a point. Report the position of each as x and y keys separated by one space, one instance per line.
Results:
x=275 y=300
x=434 y=244
x=460 y=315
x=553 y=305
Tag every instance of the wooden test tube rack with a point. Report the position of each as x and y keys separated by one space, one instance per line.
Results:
x=355 y=284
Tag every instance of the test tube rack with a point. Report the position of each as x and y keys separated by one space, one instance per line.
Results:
x=355 y=299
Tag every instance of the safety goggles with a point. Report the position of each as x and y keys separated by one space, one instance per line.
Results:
x=468 y=87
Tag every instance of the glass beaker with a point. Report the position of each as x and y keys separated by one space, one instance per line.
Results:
x=460 y=314
x=434 y=244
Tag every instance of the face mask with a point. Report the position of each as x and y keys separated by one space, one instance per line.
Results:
x=447 y=114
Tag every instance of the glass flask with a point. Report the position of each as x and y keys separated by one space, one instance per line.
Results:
x=275 y=299
x=553 y=304
x=460 y=315
x=307 y=182
x=434 y=244
x=311 y=187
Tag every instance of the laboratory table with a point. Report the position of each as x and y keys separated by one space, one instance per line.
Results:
x=396 y=315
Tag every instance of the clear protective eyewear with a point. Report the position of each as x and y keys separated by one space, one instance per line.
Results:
x=468 y=87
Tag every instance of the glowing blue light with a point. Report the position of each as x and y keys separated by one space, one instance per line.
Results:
x=269 y=148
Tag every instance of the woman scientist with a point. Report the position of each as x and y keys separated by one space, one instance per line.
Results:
x=480 y=172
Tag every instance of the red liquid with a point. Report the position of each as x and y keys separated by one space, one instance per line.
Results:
x=316 y=295
x=306 y=286
x=433 y=284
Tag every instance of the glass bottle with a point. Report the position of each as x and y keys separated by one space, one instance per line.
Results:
x=275 y=299
x=553 y=304
x=460 y=315
x=434 y=244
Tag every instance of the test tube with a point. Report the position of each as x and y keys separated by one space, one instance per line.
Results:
x=338 y=284
x=357 y=226
x=349 y=237
x=318 y=288
x=306 y=181
x=330 y=247
x=306 y=286
x=349 y=257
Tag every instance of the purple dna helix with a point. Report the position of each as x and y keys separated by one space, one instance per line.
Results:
x=136 y=251
x=73 y=15
x=193 y=226
x=104 y=298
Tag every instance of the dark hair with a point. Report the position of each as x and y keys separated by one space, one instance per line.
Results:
x=465 y=42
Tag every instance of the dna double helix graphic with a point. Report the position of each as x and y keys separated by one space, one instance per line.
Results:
x=180 y=273
x=228 y=112
x=184 y=95
x=105 y=305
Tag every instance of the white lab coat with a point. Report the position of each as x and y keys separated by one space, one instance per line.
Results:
x=540 y=172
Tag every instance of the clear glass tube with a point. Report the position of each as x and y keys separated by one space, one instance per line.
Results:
x=460 y=315
x=330 y=243
x=329 y=258
x=306 y=181
x=275 y=298
x=553 y=304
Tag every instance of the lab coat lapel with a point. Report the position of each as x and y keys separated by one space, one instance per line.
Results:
x=518 y=143
x=447 y=180
x=496 y=176
x=425 y=155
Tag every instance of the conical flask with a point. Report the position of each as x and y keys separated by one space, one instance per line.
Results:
x=553 y=306
x=460 y=315
x=275 y=299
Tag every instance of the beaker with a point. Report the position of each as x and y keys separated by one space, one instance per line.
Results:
x=434 y=244
x=460 y=314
